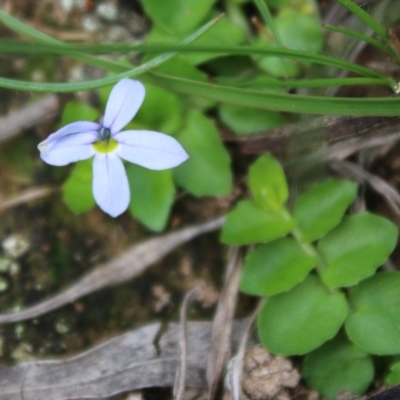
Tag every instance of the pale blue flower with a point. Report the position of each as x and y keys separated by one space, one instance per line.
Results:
x=108 y=144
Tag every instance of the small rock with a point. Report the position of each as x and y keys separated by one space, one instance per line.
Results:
x=107 y=11
x=62 y=327
x=23 y=352
x=91 y=23
x=15 y=245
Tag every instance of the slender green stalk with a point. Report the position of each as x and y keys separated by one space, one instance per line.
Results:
x=26 y=30
x=266 y=14
x=301 y=83
x=365 y=38
x=366 y=18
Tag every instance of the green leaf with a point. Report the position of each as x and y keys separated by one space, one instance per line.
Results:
x=248 y=223
x=207 y=172
x=280 y=101
x=322 y=207
x=244 y=120
x=366 y=18
x=302 y=319
x=177 y=16
x=224 y=33
x=275 y=267
x=393 y=378
x=356 y=248
x=152 y=195
x=74 y=111
x=161 y=111
x=374 y=319
x=336 y=366
x=77 y=189
x=297 y=31
x=267 y=183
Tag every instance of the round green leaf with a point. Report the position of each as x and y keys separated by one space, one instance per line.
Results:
x=152 y=195
x=297 y=31
x=338 y=365
x=302 y=319
x=161 y=111
x=393 y=378
x=267 y=183
x=77 y=189
x=275 y=267
x=177 y=16
x=322 y=207
x=374 y=319
x=356 y=248
x=243 y=120
x=74 y=111
x=248 y=223
x=207 y=172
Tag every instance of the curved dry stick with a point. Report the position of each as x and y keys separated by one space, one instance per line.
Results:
x=26 y=196
x=40 y=111
x=128 y=265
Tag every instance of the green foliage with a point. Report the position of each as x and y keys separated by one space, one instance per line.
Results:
x=161 y=111
x=77 y=189
x=75 y=111
x=393 y=378
x=336 y=366
x=374 y=320
x=267 y=183
x=249 y=223
x=297 y=31
x=302 y=319
x=332 y=198
x=275 y=267
x=207 y=172
x=177 y=16
x=242 y=120
x=306 y=259
x=313 y=254
x=152 y=195
x=353 y=250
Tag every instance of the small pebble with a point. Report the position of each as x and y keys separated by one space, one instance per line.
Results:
x=108 y=11
x=91 y=24
x=62 y=327
x=67 y=5
x=15 y=245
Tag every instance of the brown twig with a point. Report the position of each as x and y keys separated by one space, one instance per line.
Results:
x=180 y=378
x=40 y=111
x=128 y=265
x=26 y=196
x=222 y=324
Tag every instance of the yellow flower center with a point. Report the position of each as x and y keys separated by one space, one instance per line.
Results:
x=106 y=146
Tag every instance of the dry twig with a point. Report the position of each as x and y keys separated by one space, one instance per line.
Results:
x=26 y=196
x=222 y=324
x=180 y=379
x=40 y=111
x=128 y=265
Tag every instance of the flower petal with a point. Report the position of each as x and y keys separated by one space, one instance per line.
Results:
x=153 y=150
x=124 y=101
x=71 y=129
x=110 y=184
x=68 y=149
